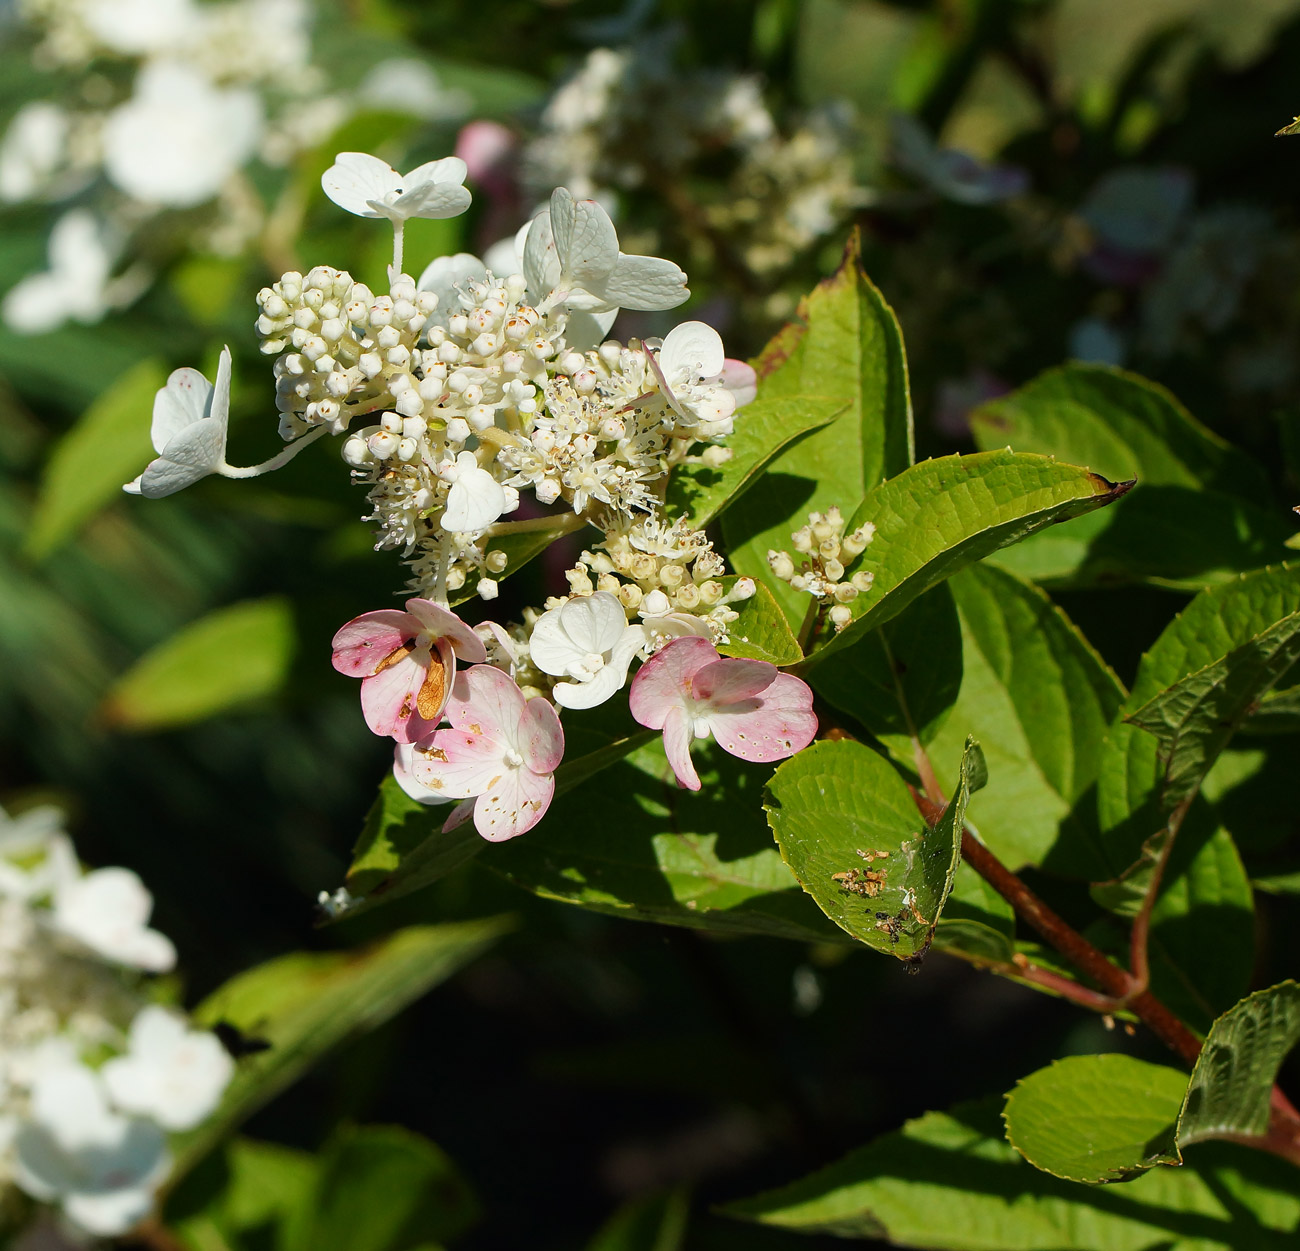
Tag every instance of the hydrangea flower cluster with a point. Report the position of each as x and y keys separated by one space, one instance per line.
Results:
x=455 y=396
x=92 y=1074
x=824 y=551
x=195 y=93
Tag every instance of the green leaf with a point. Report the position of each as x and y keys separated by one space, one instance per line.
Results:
x=846 y=342
x=655 y=1223
x=306 y=1003
x=228 y=658
x=942 y=515
x=1232 y=1082
x=834 y=809
x=639 y=846
x=1278 y=712
x=1218 y=622
x=1196 y=514
x=521 y=547
x=977 y=923
x=1102 y=1118
x=1039 y=698
x=763 y=429
x=383 y=1188
x=1194 y=718
x=107 y=447
x=901 y=680
x=403 y=847
x=950 y=1182
x=760 y=631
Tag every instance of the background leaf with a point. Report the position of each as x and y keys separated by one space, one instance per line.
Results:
x=1100 y=1118
x=654 y=1223
x=107 y=447
x=230 y=657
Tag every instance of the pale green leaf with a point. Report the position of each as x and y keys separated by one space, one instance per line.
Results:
x=107 y=447
x=763 y=429
x=306 y=1003
x=1101 y=1118
x=228 y=658
x=951 y=1182
x=760 y=631
x=942 y=515
x=850 y=831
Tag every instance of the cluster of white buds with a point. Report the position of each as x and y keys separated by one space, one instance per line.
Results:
x=665 y=575
x=826 y=551
x=92 y=1074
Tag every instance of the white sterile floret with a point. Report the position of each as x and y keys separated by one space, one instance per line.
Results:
x=33 y=149
x=35 y=854
x=170 y=1073
x=445 y=277
x=76 y=286
x=571 y=254
x=178 y=138
x=365 y=185
x=586 y=640
x=690 y=366
x=73 y=1150
x=107 y=912
x=476 y=498
x=190 y=417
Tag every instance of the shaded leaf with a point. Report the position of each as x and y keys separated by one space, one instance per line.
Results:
x=949 y=1181
x=1232 y=1082
x=942 y=515
x=977 y=923
x=1102 y=1118
x=228 y=658
x=654 y=1223
x=845 y=342
x=305 y=1003
x=1039 y=699
x=107 y=447
x=520 y=548
x=763 y=429
x=834 y=808
x=900 y=681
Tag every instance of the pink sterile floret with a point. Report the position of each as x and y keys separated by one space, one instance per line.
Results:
x=407 y=664
x=751 y=708
x=502 y=750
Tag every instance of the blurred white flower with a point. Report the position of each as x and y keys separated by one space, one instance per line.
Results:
x=35 y=853
x=107 y=912
x=170 y=1073
x=178 y=138
x=76 y=287
x=100 y=1167
x=190 y=417
x=365 y=185
x=33 y=149
x=408 y=85
x=142 y=27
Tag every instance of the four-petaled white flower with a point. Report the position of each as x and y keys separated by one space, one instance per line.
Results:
x=701 y=384
x=190 y=416
x=107 y=911
x=571 y=258
x=476 y=498
x=171 y=1073
x=365 y=185
x=74 y=1150
x=588 y=641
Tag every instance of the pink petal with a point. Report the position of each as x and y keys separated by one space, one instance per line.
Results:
x=362 y=645
x=443 y=624
x=458 y=764
x=678 y=733
x=486 y=701
x=663 y=682
x=541 y=738
x=732 y=680
x=782 y=724
x=515 y=804
x=460 y=814
x=741 y=380
x=390 y=699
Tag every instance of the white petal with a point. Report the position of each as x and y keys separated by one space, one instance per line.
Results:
x=609 y=680
x=645 y=282
x=110 y=1212
x=584 y=330
x=692 y=351
x=444 y=275
x=448 y=169
x=589 y=249
x=356 y=178
x=541 y=262
x=549 y=646
x=593 y=622
x=434 y=200
x=475 y=501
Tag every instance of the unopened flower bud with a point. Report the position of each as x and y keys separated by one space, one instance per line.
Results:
x=854 y=544
x=547 y=491
x=609 y=583
x=745 y=588
x=672 y=575
x=656 y=604
x=458 y=430
x=391 y=422
x=863 y=580
x=496 y=561
x=844 y=592
x=487 y=589
x=711 y=592
x=841 y=615
x=688 y=596
x=408 y=449
x=355 y=451
x=409 y=403
x=781 y=565
x=802 y=539
x=383 y=444
x=370 y=364
x=833 y=569
x=629 y=595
